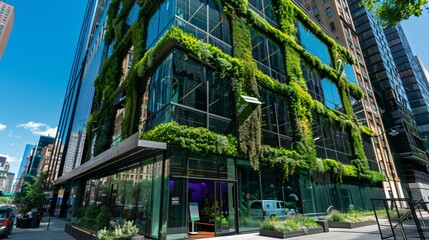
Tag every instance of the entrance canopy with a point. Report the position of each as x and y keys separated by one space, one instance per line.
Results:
x=122 y=152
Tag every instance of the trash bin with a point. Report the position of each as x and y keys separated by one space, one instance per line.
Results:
x=25 y=223
x=18 y=222
x=35 y=220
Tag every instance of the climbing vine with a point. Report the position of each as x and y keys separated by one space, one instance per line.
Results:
x=246 y=79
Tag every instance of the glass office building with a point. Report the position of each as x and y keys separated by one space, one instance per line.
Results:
x=381 y=52
x=231 y=80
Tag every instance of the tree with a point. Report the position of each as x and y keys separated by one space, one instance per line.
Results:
x=390 y=12
x=32 y=194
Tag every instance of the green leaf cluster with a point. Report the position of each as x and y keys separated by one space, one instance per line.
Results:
x=391 y=12
x=245 y=80
x=295 y=223
x=192 y=139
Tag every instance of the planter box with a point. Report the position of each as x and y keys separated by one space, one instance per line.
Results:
x=88 y=234
x=80 y=232
x=335 y=224
x=276 y=234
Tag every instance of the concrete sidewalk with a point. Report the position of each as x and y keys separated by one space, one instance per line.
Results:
x=55 y=231
x=362 y=233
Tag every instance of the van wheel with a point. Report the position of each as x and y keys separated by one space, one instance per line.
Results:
x=273 y=216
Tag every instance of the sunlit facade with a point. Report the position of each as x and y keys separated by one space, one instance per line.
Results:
x=106 y=161
x=335 y=16
x=7 y=16
x=404 y=139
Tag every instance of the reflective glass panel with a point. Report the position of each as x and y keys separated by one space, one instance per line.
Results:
x=313 y=44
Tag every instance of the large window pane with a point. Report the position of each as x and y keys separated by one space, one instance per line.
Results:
x=191 y=88
x=268 y=55
x=332 y=97
x=160 y=86
x=268 y=114
x=221 y=101
x=204 y=19
x=265 y=8
x=248 y=193
x=313 y=45
x=160 y=21
x=350 y=73
x=283 y=117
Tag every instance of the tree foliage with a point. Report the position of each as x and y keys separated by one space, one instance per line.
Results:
x=33 y=192
x=391 y=12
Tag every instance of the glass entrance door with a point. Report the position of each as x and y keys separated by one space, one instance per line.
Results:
x=225 y=215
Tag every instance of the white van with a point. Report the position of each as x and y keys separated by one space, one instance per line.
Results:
x=269 y=208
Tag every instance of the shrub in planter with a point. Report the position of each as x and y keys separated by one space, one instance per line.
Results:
x=291 y=224
x=125 y=231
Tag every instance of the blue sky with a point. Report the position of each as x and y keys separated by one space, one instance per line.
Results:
x=35 y=68
x=34 y=71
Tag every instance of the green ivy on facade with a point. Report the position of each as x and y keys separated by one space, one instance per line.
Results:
x=246 y=79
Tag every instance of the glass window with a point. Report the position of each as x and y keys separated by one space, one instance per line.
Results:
x=350 y=73
x=332 y=26
x=331 y=96
x=268 y=55
x=315 y=9
x=133 y=15
x=249 y=195
x=204 y=19
x=268 y=114
x=160 y=86
x=191 y=88
x=187 y=92
x=220 y=95
x=313 y=45
x=266 y=9
x=282 y=117
x=160 y=22
x=328 y=12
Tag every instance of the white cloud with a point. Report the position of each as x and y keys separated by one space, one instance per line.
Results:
x=10 y=134
x=10 y=159
x=2 y=127
x=39 y=128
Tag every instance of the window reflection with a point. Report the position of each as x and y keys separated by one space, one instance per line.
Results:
x=266 y=9
x=160 y=22
x=313 y=44
x=274 y=120
x=189 y=93
x=204 y=19
x=268 y=55
x=322 y=90
x=350 y=73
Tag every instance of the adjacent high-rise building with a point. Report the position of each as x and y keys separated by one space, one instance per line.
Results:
x=10 y=178
x=23 y=168
x=4 y=175
x=6 y=23
x=336 y=17
x=413 y=79
x=416 y=88
x=37 y=155
x=80 y=93
x=404 y=138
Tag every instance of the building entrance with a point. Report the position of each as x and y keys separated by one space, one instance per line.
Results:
x=216 y=203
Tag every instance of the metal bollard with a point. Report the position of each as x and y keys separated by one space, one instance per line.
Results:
x=49 y=223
